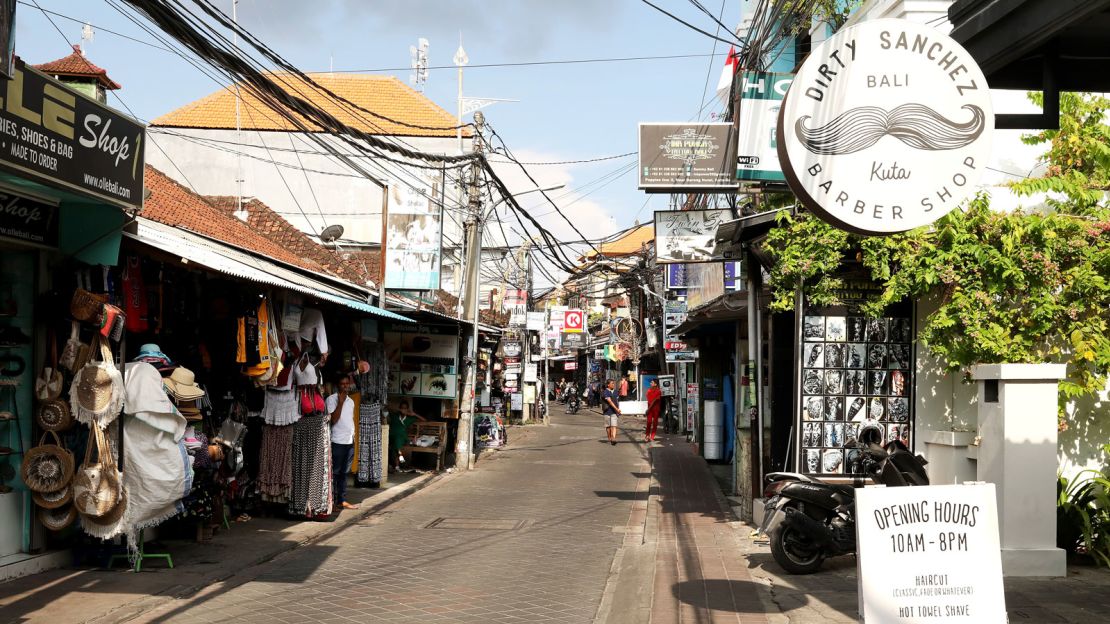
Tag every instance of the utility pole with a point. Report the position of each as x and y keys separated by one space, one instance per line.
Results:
x=464 y=453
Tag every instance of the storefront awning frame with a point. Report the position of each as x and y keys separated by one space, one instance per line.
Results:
x=224 y=258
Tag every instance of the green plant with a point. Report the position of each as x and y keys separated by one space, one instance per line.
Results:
x=1083 y=516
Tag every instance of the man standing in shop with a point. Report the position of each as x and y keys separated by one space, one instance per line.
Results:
x=611 y=411
x=342 y=409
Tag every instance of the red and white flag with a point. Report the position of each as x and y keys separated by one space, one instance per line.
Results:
x=727 y=74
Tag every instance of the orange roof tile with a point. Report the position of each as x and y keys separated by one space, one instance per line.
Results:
x=263 y=220
x=77 y=65
x=384 y=95
x=174 y=205
x=629 y=243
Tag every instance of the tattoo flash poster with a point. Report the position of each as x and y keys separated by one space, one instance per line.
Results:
x=854 y=369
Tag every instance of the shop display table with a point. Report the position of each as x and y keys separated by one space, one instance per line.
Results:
x=435 y=429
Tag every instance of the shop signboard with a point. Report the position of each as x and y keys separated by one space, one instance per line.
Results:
x=687 y=235
x=515 y=301
x=28 y=220
x=707 y=282
x=413 y=236
x=686 y=157
x=573 y=321
x=761 y=96
x=58 y=136
x=929 y=554
x=675 y=278
x=666 y=385
x=886 y=127
x=570 y=365
x=535 y=321
x=675 y=345
x=599 y=353
x=512 y=349
x=531 y=372
x=691 y=405
x=516 y=401
x=682 y=356
x=574 y=341
x=557 y=314
x=518 y=319
x=734 y=275
x=513 y=369
x=855 y=370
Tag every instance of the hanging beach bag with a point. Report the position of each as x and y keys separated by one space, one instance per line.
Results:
x=53 y=415
x=96 y=394
x=86 y=306
x=48 y=384
x=96 y=485
x=47 y=467
x=57 y=519
x=73 y=346
x=53 y=500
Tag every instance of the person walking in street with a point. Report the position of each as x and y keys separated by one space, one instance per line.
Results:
x=594 y=398
x=341 y=408
x=655 y=401
x=624 y=387
x=611 y=411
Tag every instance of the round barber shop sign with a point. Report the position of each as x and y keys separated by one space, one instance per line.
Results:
x=886 y=127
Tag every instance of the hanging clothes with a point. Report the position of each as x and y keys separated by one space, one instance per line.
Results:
x=135 y=305
x=311 y=491
x=275 y=472
x=312 y=329
x=371 y=386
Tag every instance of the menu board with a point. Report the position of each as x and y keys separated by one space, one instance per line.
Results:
x=854 y=369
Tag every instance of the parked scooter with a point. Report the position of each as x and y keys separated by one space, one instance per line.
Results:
x=809 y=520
x=574 y=402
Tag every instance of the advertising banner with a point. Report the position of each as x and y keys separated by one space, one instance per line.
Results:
x=896 y=138
x=929 y=554
x=531 y=372
x=686 y=157
x=761 y=96
x=515 y=301
x=63 y=138
x=512 y=349
x=570 y=365
x=687 y=235
x=573 y=340
x=28 y=220
x=574 y=321
x=535 y=321
x=413 y=237
x=666 y=385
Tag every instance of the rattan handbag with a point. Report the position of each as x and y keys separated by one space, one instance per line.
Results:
x=86 y=306
x=53 y=415
x=53 y=500
x=57 y=519
x=47 y=467
x=96 y=394
x=96 y=485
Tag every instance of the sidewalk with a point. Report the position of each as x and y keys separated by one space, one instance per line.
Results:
x=99 y=595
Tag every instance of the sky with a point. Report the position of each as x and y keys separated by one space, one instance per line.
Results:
x=565 y=112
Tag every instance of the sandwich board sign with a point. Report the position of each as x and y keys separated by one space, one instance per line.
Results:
x=929 y=554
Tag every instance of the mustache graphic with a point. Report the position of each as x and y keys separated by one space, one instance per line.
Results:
x=915 y=125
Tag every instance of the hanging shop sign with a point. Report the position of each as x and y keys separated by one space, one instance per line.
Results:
x=573 y=340
x=682 y=356
x=687 y=235
x=531 y=372
x=515 y=301
x=413 y=236
x=513 y=369
x=518 y=319
x=512 y=349
x=573 y=321
x=686 y=157
x=28 y=220
x=666 y=385
x=675 y=345
x=887 y=127
x=63 y=138
x=707 y=283
x=516 y=401
x=570 y=365
x=757 y=156
x=536 y=321
x=929 y=554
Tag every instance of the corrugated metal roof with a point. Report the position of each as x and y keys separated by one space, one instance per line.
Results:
x=231 y=261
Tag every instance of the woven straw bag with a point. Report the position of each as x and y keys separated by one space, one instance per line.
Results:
x=47 y=467
x=96 y=485
x=86 y=306
x=57 y=519
x=53 y=415
x=96 y=394
x=108 y=525
x=68 y=359
x=48 y=385
x=53 y=500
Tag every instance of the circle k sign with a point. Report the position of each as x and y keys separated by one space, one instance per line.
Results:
x=886 y=127
x=572 y=321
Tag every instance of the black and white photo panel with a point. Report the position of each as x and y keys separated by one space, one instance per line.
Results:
x=899 y=385
x=834 y=355
x=813 y=328
x=899 y=355
x=857 y=329
x=876 y=330
x=813 y=381
x=857 y=409
x=876 y=356
x=875 y=409
x=813 y=355
x=834 y=434
x=813 y=460
x=855 y=382
x=832 y=461
x=811 y=434
x=853 y=459
x=836 y=328
x=900 y=330
x=898 y=410
x=878 y=382
x=855 y=355
x=834 y=381
x=834 y=408
x=813 y=408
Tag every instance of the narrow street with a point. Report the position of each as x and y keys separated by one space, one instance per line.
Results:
x=549 y=530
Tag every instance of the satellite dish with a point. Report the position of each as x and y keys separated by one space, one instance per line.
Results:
x=331 y=233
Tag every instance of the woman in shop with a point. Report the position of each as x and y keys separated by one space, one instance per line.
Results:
x=655 y=402
x=399 y=421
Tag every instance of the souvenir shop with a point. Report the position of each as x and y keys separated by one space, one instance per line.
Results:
x=58 y=199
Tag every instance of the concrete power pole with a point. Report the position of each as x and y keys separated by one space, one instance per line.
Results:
x=464 y=452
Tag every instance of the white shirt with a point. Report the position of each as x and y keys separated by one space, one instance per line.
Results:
x=342 y=430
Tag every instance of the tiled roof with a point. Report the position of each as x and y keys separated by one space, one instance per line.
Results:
x=384 y=95
x=77 y=65
x=263 y=220
x=175 y=205
x=629 y=243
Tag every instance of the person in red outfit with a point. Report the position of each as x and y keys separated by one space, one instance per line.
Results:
x=655 y=404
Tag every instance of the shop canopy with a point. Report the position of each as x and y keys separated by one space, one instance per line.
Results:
x=229 y=260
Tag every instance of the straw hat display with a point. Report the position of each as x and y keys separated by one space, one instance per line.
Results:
x=57 y=519
x=182 y=385
x=47 y=467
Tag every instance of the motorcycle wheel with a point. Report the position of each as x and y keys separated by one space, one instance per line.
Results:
x=794 y=552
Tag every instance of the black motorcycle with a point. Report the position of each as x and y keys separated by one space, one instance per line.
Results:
x=574 y=402
x=809 y=520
